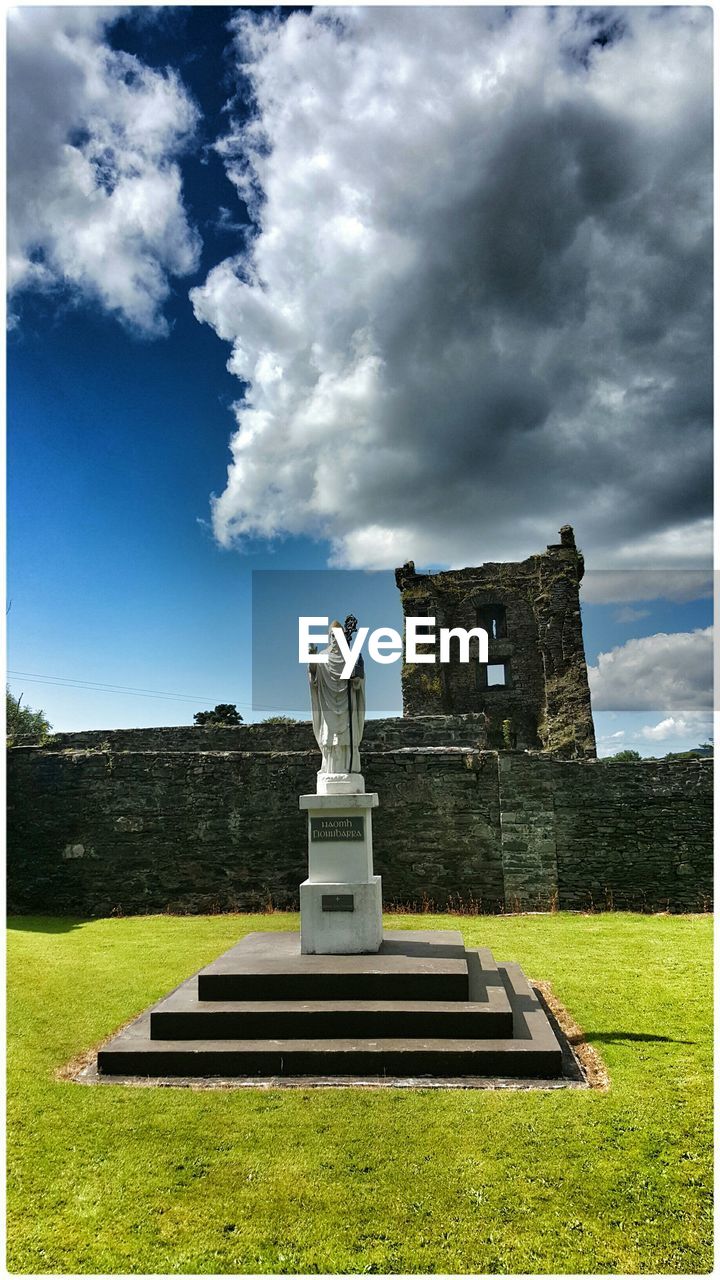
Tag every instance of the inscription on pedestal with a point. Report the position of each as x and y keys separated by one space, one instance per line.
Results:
x=333 y=828
x=338 y=902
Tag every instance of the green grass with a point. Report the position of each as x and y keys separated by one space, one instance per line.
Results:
x=136 y=1180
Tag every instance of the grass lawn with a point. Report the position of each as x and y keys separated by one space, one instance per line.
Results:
x=118 y=1179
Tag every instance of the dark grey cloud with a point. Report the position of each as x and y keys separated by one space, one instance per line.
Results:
x=478 y=303
x=617 y=586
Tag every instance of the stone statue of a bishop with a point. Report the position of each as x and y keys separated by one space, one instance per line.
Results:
x=338 y=716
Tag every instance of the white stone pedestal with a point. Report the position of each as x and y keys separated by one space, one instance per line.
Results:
x=340 y=784
x=341 y=919
x=341 y=900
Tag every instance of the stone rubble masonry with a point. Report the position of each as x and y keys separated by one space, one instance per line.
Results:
x=424 y=731
x=545 y=702
x=98 y=824
x=527 y=833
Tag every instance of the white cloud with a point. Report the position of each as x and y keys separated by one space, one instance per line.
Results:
x=628 y=614
x=94 y=194
x=478 y=301
x=673 y=727
x=672 y=671
x=681 y=544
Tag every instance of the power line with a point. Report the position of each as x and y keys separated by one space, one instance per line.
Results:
x=73 y=683
x=69 y=682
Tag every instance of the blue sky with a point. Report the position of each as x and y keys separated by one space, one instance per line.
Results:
x=394 y=397
x=114 y=446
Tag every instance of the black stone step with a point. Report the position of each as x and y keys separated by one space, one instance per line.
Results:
x=138 y=1055
x=183 y=1017
x=427 y=965
x=532 y=1051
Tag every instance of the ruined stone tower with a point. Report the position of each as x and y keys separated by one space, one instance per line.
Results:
x=534 y=688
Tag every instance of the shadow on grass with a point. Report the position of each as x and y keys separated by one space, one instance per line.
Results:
x=610 y=1037
x=45 y=924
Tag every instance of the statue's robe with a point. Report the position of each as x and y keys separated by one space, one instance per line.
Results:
x=338 y=716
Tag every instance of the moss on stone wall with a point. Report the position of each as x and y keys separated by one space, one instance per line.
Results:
x=547 y=697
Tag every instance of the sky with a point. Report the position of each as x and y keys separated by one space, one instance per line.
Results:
x=331 y=289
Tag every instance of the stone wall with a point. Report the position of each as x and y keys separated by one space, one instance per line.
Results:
x=634 y=834
x=527 y=831
x=101 y=832
x=531 y=612
x=92 y=832
x=605 y=833
x=432 y=730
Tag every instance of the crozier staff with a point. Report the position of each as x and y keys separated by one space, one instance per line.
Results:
x=338 y=706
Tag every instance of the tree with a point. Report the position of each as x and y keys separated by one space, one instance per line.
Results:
x=23 y=722
x=627 y=755
x=225 y=713
x=702 y=752
x=279 y=720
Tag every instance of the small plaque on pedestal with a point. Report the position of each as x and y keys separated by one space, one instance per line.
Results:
x=338 y=902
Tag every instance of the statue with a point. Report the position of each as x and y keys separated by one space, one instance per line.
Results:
x=338 y=716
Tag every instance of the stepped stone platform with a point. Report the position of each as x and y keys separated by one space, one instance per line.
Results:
x=423 y=1006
